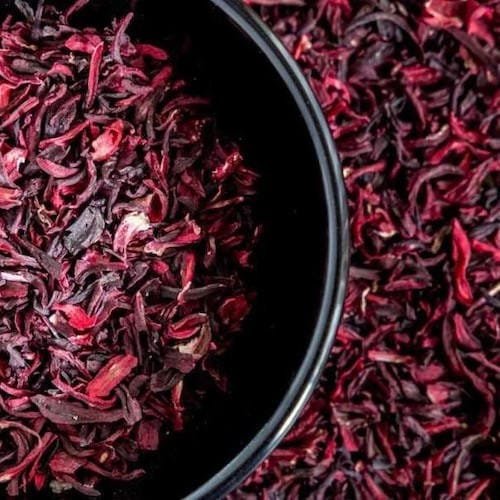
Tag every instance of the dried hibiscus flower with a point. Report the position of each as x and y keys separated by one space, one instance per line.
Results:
x=408 y=407
x=125 y=228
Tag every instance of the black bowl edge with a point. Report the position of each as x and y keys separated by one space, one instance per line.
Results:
x=330 y=314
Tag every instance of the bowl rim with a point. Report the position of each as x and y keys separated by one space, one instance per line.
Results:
x=334 y=288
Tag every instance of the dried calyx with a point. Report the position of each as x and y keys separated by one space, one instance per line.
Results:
x=125 y=233
x=408 y=407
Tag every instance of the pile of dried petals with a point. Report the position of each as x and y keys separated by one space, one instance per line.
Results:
x=408 y=406
x=125 y=231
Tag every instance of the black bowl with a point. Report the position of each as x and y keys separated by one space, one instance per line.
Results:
x=263 y=100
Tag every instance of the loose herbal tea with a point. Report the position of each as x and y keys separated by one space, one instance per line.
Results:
x=408 y=407
x=125 y=234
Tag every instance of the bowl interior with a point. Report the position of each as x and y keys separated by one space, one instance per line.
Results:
x=253 y=106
